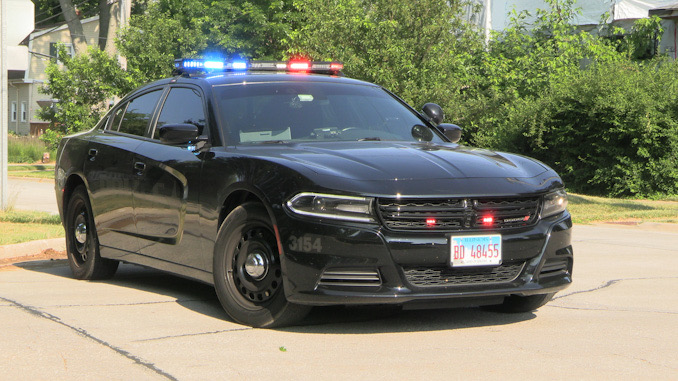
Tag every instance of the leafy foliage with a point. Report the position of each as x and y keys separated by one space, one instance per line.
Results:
x=581 y=103
x=172 y=29
x=83 y=85
x=600 y=108
x=419 y=50
x=612 y=130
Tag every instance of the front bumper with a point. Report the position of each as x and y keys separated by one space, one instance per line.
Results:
x=331 y=263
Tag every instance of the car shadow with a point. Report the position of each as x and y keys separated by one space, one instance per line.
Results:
x=201 y=298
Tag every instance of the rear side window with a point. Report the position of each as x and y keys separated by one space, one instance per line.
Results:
x=183 y=105
x=138 y=114
x=117 y=117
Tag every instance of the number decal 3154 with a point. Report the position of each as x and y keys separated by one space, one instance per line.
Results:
x=305 y=244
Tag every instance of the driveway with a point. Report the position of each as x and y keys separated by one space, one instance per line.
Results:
x=617 y=321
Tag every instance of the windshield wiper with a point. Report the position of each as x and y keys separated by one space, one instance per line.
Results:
x=370 y=139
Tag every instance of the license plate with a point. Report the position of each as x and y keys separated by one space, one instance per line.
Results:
x=475 y=250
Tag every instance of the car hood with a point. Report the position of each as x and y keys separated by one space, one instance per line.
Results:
x=406 y=161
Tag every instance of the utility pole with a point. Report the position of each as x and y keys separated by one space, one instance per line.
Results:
x=4 y=186
x=12 y=57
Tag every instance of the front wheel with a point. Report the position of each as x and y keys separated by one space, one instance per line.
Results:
x=519 y=304
x=247 y=271
x=82 y=244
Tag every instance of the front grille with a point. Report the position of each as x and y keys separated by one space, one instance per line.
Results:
x=350 y=278
x=445 y=276
x=453 y=214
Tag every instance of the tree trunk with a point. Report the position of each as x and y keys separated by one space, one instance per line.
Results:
x=74 y=26
x=104 y=24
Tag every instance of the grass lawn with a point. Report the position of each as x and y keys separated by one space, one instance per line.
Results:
x=23 y=226
x=13 y=232
x=41 y=171
x=586 y=209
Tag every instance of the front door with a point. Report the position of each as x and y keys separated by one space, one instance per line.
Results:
x=166 y=199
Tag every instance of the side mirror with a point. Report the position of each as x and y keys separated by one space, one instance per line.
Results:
x=179 y=133
x=434 y=113
x=451 y=131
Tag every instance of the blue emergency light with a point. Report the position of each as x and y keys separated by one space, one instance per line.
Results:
x=188 y=66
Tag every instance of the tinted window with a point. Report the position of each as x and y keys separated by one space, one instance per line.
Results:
x=117 y=117
x=295 y=111
x=139 y=112
x=183 y=105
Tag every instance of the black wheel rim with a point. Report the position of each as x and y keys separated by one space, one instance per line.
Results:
x=254 y=270
x=80 y=234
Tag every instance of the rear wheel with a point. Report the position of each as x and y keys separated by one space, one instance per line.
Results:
x=247 y=272
x=518 y=304
x=82 y=244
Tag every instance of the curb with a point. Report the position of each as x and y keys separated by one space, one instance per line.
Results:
x=25 y=249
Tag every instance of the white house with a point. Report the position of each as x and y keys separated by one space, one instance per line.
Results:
x=494 y=15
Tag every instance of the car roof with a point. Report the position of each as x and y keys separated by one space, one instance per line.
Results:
x=254 y=77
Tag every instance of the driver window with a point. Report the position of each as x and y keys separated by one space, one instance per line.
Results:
x=138 y=113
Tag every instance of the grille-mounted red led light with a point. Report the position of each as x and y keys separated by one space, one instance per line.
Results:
x=488 y=220
x=431 y=222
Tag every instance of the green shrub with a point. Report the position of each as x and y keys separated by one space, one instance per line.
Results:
x=611 y=130
x=24 y=149
x=593 y=108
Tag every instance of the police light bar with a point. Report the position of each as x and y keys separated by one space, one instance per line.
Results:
x=187 y=66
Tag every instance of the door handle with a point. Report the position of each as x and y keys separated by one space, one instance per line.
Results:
x=92 y=153
x=139 y=167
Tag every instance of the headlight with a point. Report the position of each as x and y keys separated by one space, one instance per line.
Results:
x=554 y=203
x=336 y=207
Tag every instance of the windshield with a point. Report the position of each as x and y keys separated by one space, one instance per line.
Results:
x=315 y=111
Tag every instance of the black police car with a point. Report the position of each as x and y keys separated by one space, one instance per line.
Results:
x=287 y=185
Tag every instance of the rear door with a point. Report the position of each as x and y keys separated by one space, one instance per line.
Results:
x=166 y=198
x=112 y=176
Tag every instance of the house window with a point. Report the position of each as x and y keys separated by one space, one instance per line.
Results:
x=54 y=53
x=12 y=112
x=24 y=112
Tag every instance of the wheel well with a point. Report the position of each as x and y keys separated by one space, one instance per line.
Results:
x=72 y=182
x=233 y=201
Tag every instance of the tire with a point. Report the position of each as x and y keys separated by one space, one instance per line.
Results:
x=247 y=272
x=520 y=304
x=82 y=243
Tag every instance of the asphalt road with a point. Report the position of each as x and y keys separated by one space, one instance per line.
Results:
x=619 y=320
x=32 y=194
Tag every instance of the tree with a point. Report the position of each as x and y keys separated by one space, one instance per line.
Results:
x=170 y=29
x=74 y=26
x=417 y=49
x=83 y=85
